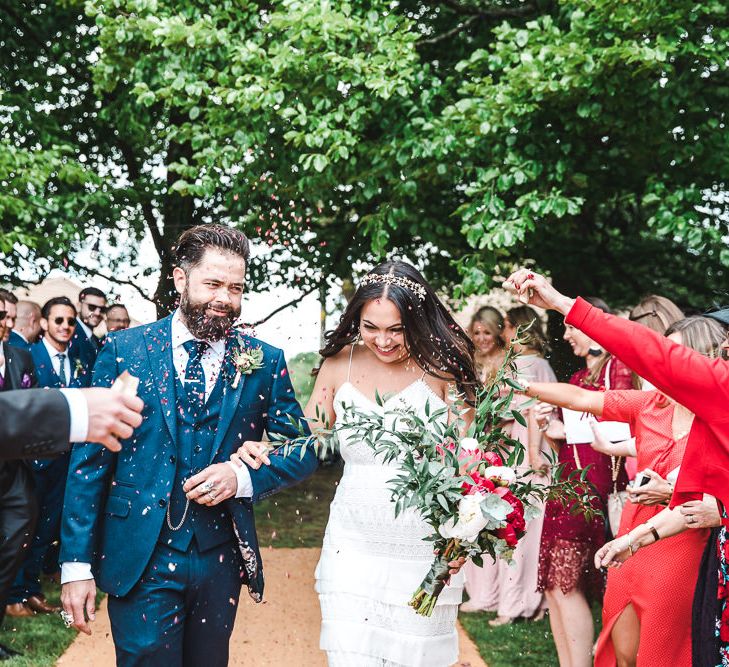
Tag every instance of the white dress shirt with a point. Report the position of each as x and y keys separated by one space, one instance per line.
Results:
x=212 y=362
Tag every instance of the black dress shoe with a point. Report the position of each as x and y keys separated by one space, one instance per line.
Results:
x=6 y=652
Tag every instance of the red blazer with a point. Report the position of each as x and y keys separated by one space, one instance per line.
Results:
x=693 y=380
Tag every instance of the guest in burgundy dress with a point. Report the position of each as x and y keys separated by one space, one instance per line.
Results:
x=569 y=541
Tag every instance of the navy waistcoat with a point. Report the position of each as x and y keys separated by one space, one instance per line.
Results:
x=210 y=526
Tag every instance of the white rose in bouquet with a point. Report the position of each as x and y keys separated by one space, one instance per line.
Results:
x=501 y=475
x=470 y=522
x=469 y=444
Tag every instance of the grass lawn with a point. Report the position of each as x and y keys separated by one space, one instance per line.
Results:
x=521 y=644
x=297 y=517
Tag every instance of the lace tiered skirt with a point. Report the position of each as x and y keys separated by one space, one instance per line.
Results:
x=371 y=564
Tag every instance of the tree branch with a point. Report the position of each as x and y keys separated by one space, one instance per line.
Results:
x=474 y=14
x=112 y=279
x=491 y=11
x=293 y=302
x=449 y=33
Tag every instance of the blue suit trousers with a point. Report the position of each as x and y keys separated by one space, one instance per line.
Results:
x=181 y=612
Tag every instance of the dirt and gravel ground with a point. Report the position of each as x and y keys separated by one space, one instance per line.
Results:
x=283 y=630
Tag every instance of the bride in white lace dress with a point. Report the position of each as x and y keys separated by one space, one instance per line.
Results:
x=411 y=353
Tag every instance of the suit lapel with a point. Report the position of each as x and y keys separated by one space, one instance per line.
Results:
x=13 y=373
x=47 y=375
x=231 y=396
x=158 y=338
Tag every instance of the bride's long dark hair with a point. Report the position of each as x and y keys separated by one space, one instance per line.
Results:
x=436 y=342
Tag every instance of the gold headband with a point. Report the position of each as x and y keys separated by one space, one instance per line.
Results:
x=400 y=281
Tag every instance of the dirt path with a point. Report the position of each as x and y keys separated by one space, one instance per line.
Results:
x=253 y=644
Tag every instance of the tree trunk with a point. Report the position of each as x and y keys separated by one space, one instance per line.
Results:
x=177 y=216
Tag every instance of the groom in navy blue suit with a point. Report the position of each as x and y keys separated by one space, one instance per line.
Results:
x=166 y=525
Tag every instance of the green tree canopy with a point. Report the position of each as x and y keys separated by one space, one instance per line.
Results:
x=587 y=136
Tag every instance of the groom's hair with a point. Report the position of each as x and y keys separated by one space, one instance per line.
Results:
x=193 y=243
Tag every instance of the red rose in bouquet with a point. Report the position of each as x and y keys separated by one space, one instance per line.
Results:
x=508 y=534
x=480 y=484
x=492 y=458
x=515 y=519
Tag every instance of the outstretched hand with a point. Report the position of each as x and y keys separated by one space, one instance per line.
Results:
x=535 y=290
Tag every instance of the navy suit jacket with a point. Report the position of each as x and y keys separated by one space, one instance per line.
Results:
x=83 y=347
x=47 y=376
x=16 y=340
x=115 y=503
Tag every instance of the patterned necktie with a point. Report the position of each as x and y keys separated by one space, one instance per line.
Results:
x=62 y=369
x=194 y=373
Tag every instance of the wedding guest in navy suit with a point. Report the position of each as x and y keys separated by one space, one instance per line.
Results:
x=166 y=525
x=27 y=329
x=55 y=366
x=17 y=500
x=91 y=307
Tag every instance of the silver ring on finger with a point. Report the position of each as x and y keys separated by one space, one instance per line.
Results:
x=67 y=618
x=207 y=486
x=689 y=518
x=212 y=495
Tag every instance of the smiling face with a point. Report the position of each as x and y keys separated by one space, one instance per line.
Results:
x=382 y=331
x=579 y=342
x=91 y=310
x=211 y=293
x=60 y=326
x=483 y=338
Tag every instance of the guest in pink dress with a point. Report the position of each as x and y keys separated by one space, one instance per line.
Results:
x=511 y=590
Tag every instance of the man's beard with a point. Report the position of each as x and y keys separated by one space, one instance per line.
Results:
x=204 y=326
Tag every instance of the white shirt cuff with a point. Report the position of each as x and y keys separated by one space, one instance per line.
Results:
x=245 y=485
x=75 y=572
x=79 y=409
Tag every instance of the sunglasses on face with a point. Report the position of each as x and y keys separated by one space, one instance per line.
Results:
x=93 y=309
x=3 y=313
x=58 y=321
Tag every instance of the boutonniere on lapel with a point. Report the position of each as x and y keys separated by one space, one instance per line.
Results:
x=78 y=368
x=246 y=360
x=25 y=381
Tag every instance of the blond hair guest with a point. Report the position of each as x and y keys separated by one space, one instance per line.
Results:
x=485 y=330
